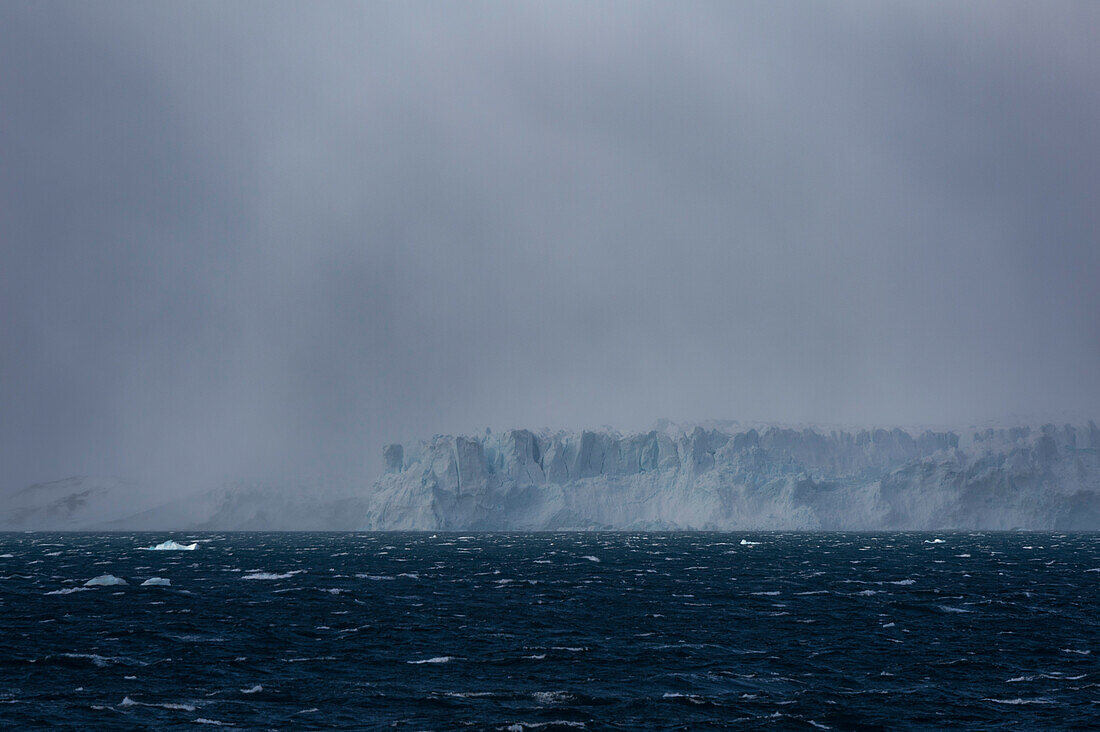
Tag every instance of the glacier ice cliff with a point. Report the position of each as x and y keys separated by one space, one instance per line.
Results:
x=721 y=475
x=723 y=478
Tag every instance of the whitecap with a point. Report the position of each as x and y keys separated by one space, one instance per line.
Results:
x=520 y=726
x=676 y=695
x=156 y=582
x=949 y=609
x=590 y=558
x=746 y=542
x=253 y=690
x=552 y=697
x=271 y=575
x=437 y=659
x=1018 y=701
x=903 y=582
x=69 y=590
x=934 y=541
x=128 y=702
x=95 y=658
x=105 y=580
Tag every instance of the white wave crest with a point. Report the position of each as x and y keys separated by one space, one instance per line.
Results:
x=271 y=575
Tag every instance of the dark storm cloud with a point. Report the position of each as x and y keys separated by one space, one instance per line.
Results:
x=244 y=239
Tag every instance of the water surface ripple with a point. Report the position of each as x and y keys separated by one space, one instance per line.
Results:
x=551 y=631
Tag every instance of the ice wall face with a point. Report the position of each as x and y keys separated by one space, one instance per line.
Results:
x=1039 y=478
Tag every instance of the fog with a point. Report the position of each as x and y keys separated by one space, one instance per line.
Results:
x=265 y=238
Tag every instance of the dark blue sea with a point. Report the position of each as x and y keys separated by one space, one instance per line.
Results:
x=551 y=631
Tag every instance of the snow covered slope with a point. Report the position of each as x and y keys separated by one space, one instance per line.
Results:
x=1035 y=478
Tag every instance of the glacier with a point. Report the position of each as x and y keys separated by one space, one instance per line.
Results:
x=707 y=476
x=726 y=478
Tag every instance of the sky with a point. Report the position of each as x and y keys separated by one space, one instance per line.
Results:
x=259 y=238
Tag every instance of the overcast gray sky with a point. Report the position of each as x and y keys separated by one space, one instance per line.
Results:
x=251 y=238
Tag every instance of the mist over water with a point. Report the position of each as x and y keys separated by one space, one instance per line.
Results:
x=256 y=240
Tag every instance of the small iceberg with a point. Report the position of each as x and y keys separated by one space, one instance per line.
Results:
x=104 y=580
x=156 y=582
x=172 y=546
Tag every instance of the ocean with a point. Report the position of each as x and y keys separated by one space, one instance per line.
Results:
x=551 y=631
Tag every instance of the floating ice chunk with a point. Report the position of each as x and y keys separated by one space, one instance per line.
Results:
x=156 y=582
x=105 y=580
x=172 y=546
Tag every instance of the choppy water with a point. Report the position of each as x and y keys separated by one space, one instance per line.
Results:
x=594 y=631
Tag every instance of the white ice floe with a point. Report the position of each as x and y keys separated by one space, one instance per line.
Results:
x=104 y=580
x=172 y=546
x=156 y=582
